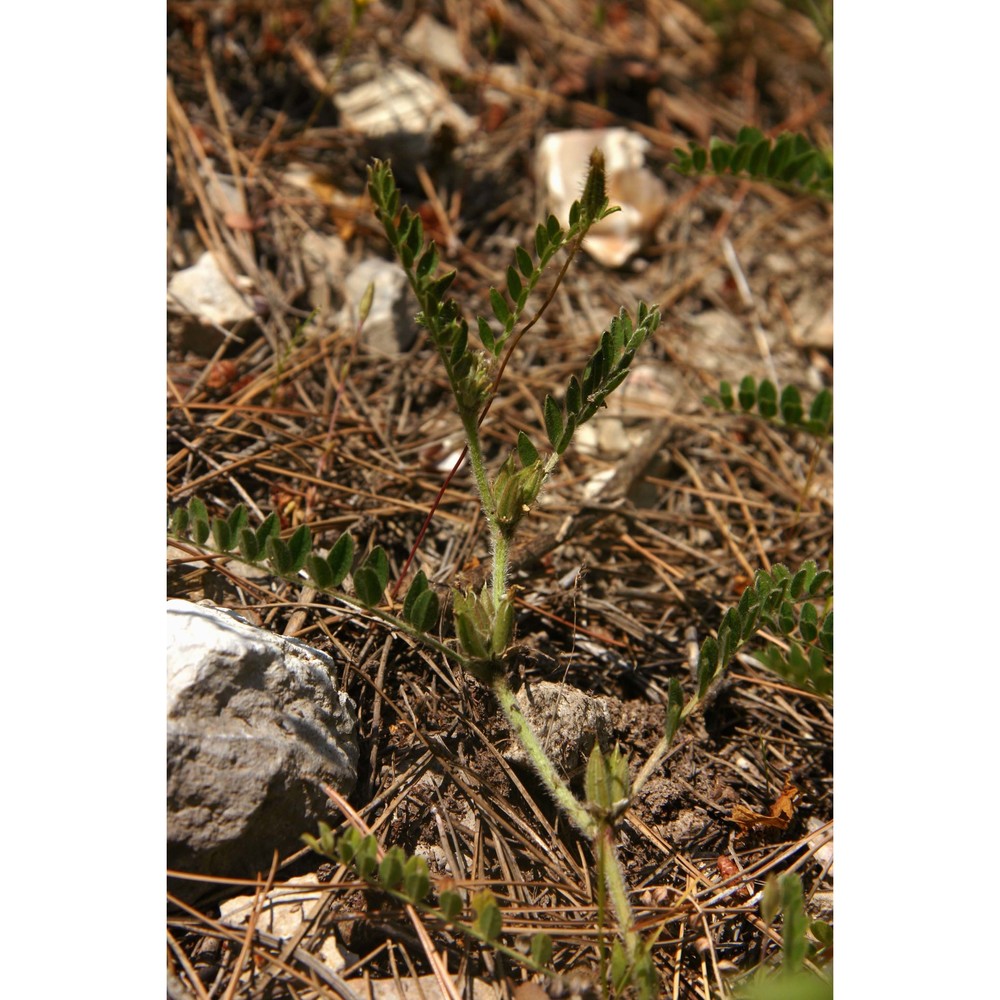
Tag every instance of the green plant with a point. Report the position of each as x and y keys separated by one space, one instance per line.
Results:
x=484 y=620
x=805 y=946
x=786 y=408
x=407 y=880
x=790 y=160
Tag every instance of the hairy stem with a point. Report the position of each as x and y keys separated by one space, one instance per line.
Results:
x=557 y=788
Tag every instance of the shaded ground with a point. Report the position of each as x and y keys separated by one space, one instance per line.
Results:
x=620 y=578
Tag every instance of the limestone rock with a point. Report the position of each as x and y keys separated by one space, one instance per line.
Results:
x=205 y=304
x=402 y=112
x=389 y=328
x=561 y=167
x=254 y=726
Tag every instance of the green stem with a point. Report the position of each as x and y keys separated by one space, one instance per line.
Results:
x=501 y=547
x=611 y=870
x=557 y=788
x=479 y=471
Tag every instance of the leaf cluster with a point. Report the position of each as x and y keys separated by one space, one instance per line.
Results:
x=288 y=558
x=407 y=879
x=789 y=160
x=439 y=313
x=605 y=371
x=786 y=408
x=772 y=602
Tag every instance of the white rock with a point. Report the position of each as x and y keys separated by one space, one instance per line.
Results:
x=204 y=293
x=438 y=44
x=254 y=726
x=561 y=165
x=394 y=103
x=389 y=328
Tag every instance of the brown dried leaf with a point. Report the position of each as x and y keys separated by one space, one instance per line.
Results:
x=777 y=818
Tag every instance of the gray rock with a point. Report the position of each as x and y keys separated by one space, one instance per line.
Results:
x=389 y=328
x=254 y=726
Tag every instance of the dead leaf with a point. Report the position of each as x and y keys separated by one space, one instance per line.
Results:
x=777 y=818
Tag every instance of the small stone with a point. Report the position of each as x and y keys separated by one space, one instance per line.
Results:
x=401 y=110
x=204 y=293
x=432 y=41
x=206 y=306
x=389 y=328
